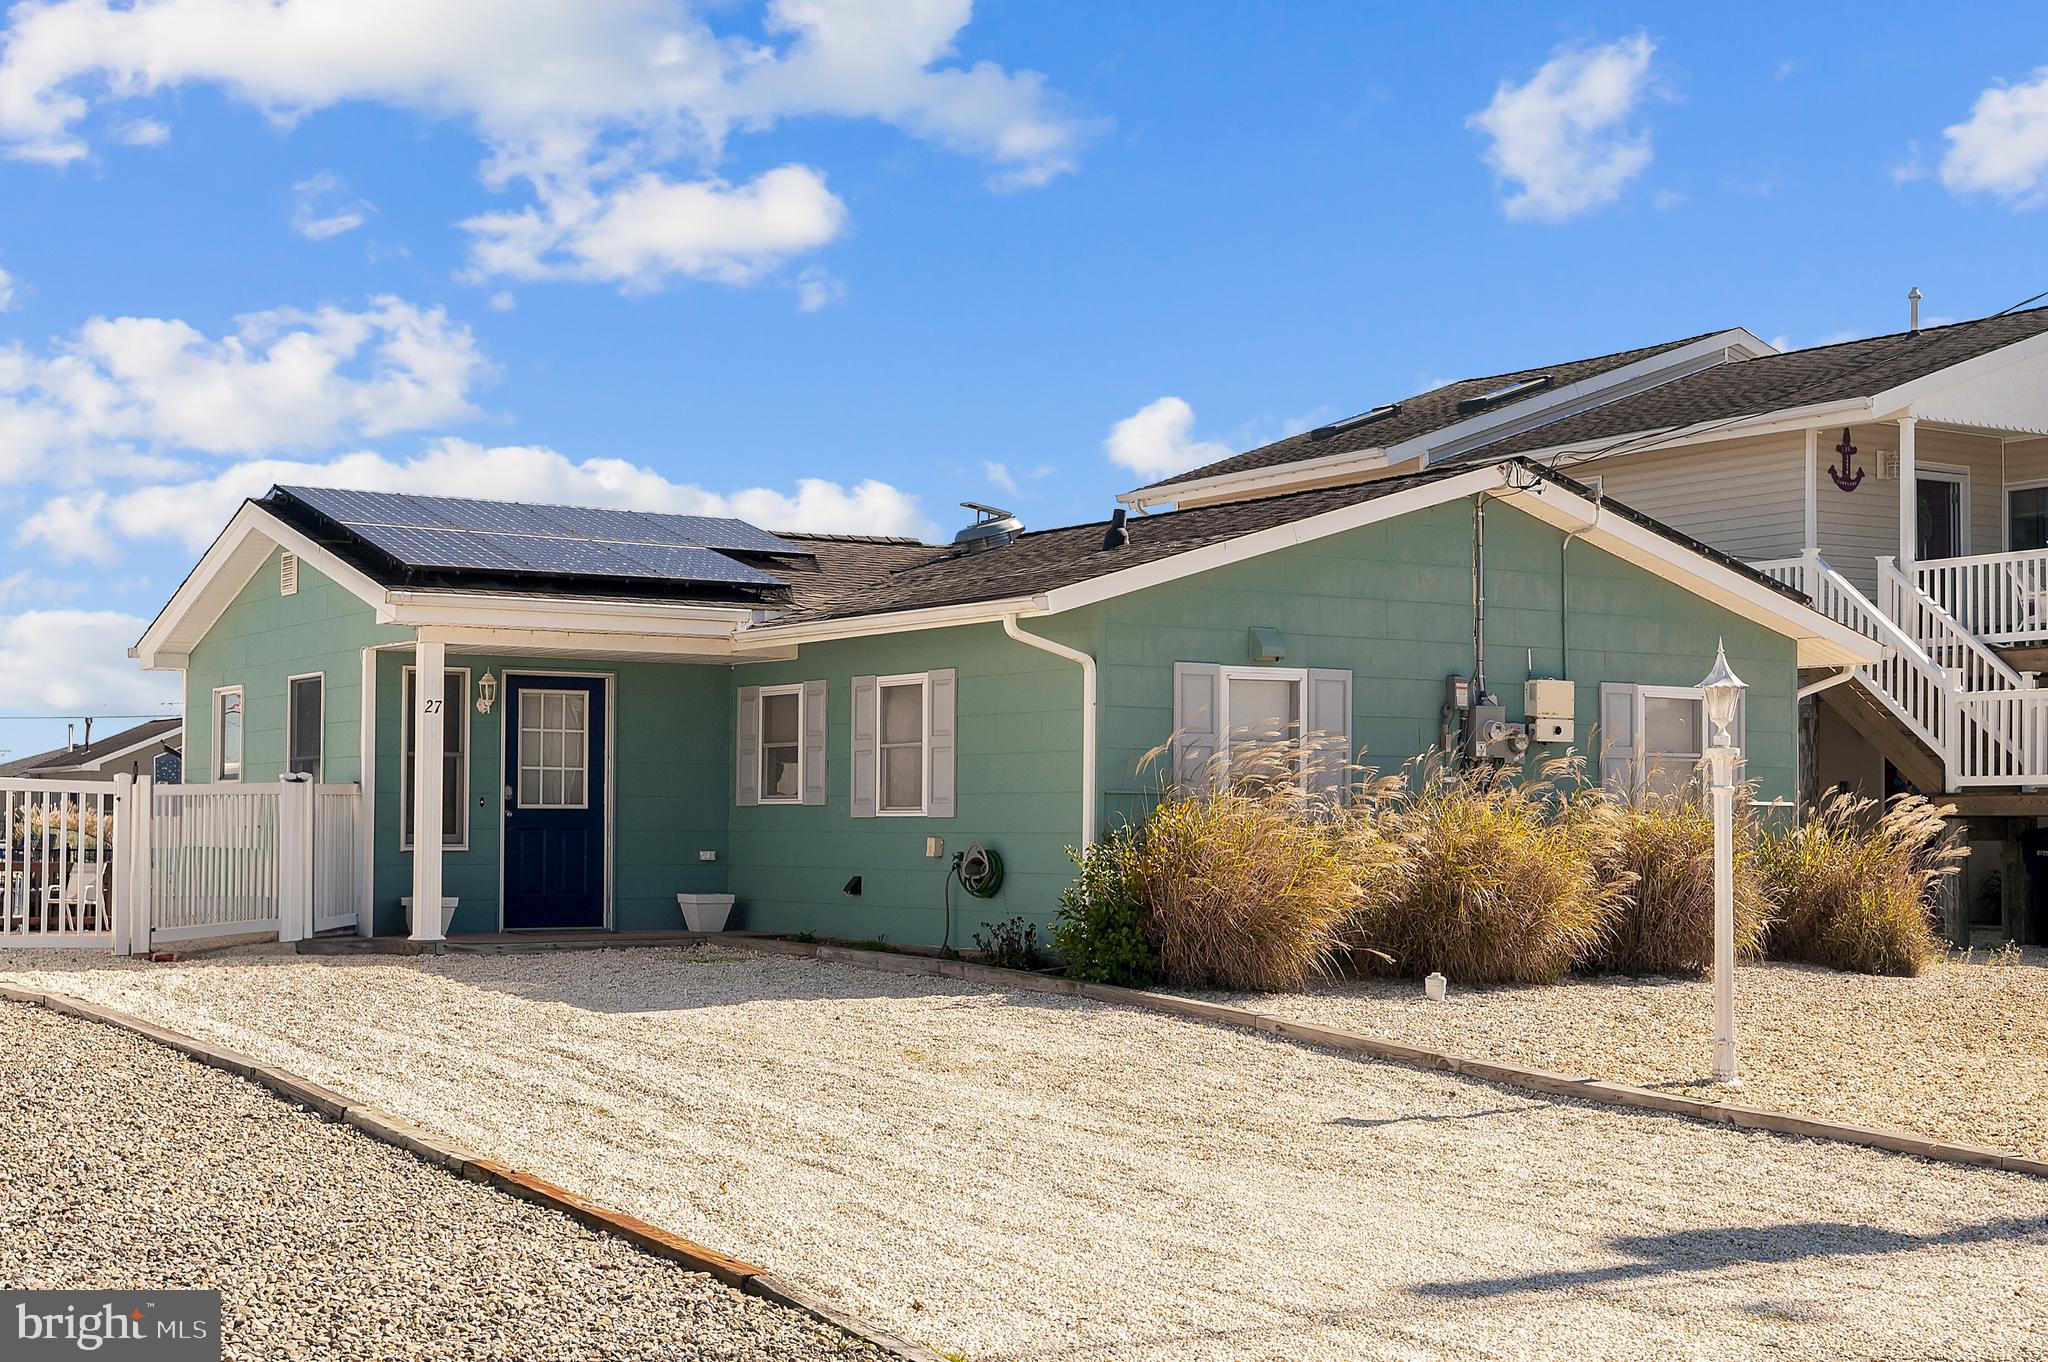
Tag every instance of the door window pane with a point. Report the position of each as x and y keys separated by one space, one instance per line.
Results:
x=902 y=747
x=554 y=746
x=2026 y=518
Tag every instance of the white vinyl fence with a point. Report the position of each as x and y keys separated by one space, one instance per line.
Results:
x=131 y=865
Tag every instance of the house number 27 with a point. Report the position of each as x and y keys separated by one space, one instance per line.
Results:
x=432 y=707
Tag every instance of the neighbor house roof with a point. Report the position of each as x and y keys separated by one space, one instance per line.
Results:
x=1782 y=382
x=148 y=734
x=1427 y=412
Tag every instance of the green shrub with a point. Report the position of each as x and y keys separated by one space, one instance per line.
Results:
x=1100 y=930
x=1659 y=850
x=1010 y=945
x=1245 y=886
x=1858 y=889
x=1500 y=883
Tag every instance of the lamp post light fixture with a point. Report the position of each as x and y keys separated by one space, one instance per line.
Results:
x=1722 y=690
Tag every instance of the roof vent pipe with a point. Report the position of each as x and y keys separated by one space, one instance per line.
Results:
x=1913 y=299
x=993 y=527
x=1116 y=536
x=71 y=737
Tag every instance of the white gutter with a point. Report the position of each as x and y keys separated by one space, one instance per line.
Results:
x=1830 y=683
x=1046 y=645
x=769 y=634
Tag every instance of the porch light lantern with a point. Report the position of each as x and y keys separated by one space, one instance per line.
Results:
x=486 y=693
x=1722 y=690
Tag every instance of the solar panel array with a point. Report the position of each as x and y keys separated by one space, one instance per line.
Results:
x=464 y=534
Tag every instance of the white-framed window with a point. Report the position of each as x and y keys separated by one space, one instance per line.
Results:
x=1655 y=736
x=227 y=733
x=782 y=745
x=1262 y=707
x=903 y=732
x=2026 y=516
x=554 y=749
x=305 y=725
x=454 y=760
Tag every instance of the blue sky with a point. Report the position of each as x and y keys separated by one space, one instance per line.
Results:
x=832 y=264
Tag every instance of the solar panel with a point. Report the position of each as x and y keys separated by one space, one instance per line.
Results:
x=467 y=534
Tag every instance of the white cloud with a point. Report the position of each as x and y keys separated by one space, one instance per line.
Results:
x=6 y=291
x=75 y=661
x=322 y=207
x=653 y=228
x=1155 y=440
x=585 y=103
x=142 y=132
x=999 y=475
x=1565 y=138
x=193 y=511
x=503 y=301
x=816 y=290
x=2002 y=148
x=28 y=585
x=286 y=379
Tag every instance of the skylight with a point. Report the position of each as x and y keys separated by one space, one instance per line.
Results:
x=1505 y=392
x=1364 y=418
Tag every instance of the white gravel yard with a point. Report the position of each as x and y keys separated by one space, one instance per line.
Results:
x=1960 y=1052
x=1012 y=1175
x=130 y=1166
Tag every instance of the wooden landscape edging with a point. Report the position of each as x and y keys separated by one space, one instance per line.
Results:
x=1352 y=1042
x=380 y=1125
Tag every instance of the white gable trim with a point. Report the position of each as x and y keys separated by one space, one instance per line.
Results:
x=221 y=573
x=1479 y=429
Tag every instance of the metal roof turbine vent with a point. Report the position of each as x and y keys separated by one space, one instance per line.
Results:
x=993 y=527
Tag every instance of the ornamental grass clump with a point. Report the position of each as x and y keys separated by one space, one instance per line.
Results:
x=1858 y=889
x=1499 y=882
x=1660 y=848
x=1248 y=882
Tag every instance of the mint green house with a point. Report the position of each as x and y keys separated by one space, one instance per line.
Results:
x=625 y=708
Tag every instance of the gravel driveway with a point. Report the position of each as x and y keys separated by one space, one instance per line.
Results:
x=130 y=1166
x=1010 y=1175
x=1959 y=1052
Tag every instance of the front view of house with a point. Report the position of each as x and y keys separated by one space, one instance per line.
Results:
x=563 y=718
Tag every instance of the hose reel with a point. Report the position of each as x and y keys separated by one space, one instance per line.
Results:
x=981 y=871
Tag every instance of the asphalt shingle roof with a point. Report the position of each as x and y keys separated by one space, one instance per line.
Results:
x=1425 y=412
x=61 y=758
x=1797 y=378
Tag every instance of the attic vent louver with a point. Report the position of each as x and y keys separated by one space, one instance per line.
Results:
x=287 y=574
x=1505 y=392
x=1364 y=418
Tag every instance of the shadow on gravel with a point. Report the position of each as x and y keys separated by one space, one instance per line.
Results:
x=1706 y=1250
x=1374 y=1122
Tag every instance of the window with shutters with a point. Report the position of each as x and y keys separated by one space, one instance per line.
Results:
x=782 y=745
x=1264 y=734
x=1657 y=736
x=305 y=720
x=454 y=760
x=903 y=733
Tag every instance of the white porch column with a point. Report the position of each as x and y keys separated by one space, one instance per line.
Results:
x=428 y=698
x=1909 y=498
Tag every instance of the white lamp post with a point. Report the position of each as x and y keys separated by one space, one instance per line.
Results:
x=1723 y=691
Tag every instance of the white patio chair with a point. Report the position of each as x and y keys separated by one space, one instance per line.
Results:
x=81 y=889
x=14 y=897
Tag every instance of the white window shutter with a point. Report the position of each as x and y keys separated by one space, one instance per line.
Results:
x=1328 y=711
x=816 y=696
x=1197 y=723
x=861 y=791
x=941 y=753
x=749 y=746
x=1618 y=704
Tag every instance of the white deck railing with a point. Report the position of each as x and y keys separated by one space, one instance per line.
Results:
x=1999 y=597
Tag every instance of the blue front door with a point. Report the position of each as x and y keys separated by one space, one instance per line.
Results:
x=554 y=802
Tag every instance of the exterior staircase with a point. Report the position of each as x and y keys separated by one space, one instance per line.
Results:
x=1982 y=723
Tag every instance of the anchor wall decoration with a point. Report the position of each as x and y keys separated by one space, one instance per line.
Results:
x=1847 y=477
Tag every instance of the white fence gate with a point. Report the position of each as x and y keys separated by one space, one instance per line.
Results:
x=130 y=865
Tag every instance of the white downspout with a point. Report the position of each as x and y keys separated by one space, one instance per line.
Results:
x=1826 y=683
x=1045 y=645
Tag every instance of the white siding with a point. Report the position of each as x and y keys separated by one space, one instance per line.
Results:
x=1744 y=497
x=1857 y=528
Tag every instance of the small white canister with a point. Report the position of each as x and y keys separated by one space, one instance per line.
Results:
x=1434 y=987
